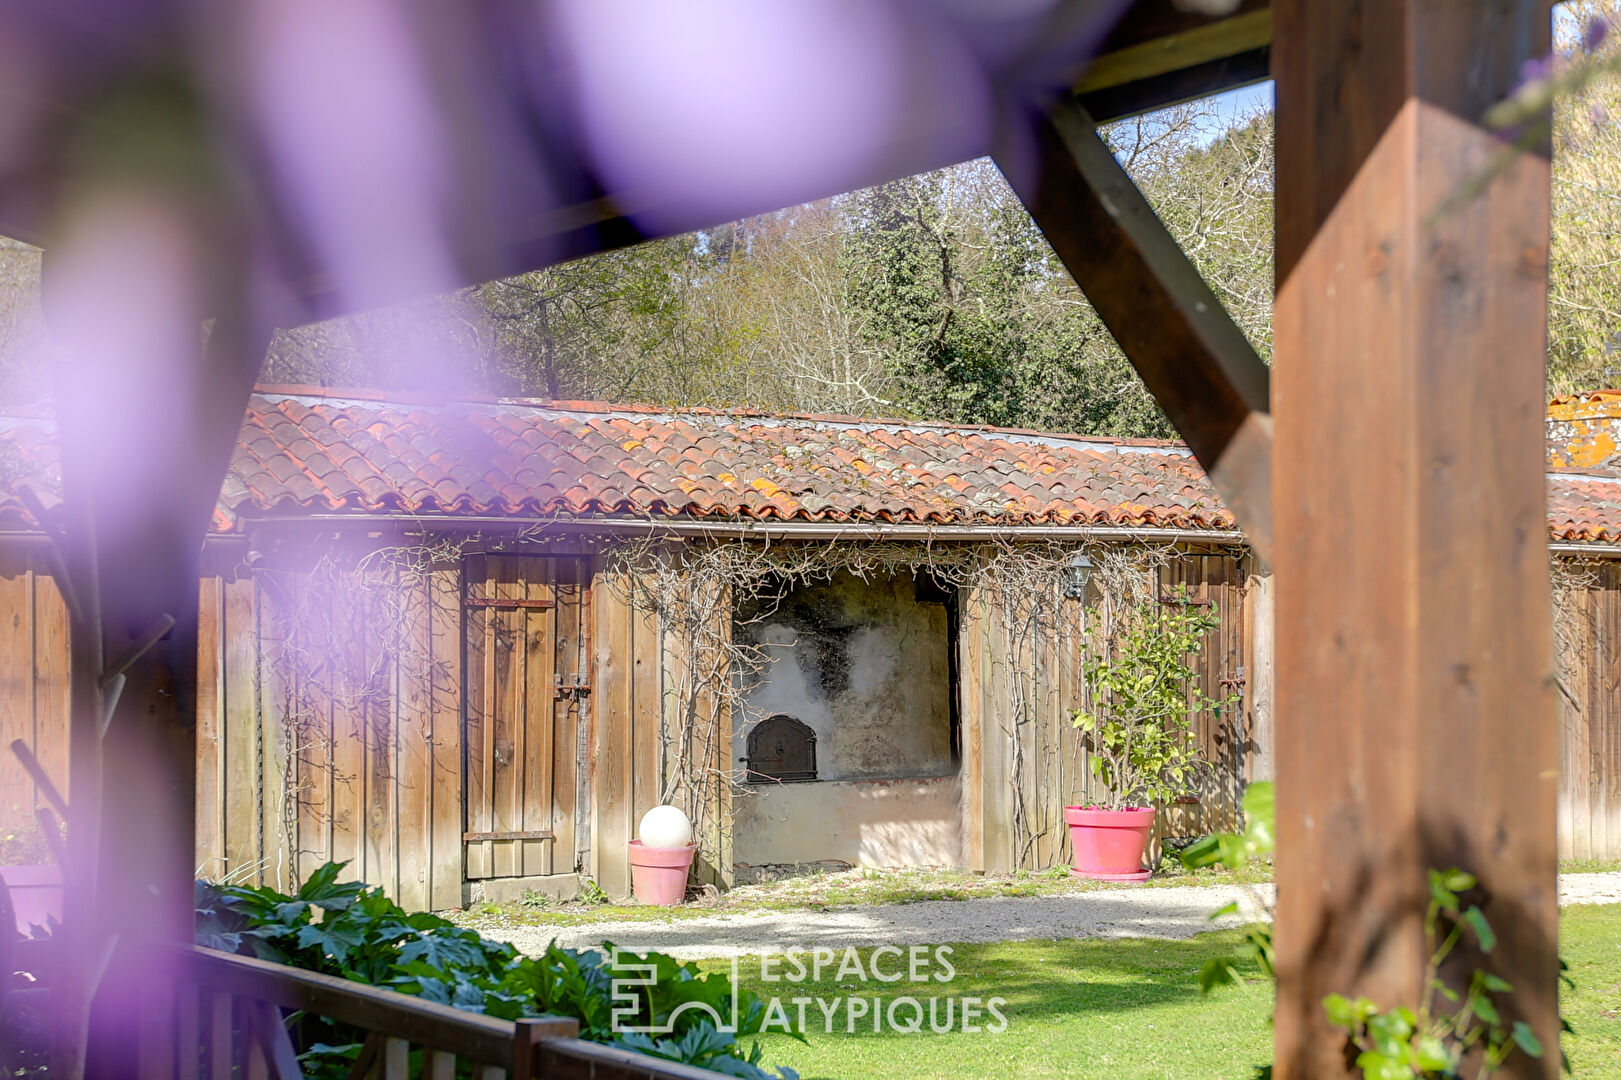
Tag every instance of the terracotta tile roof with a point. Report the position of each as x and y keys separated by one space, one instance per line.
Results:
x=300 y=453
x=1584 y=505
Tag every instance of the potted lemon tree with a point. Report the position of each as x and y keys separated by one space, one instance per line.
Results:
x=1143 y=693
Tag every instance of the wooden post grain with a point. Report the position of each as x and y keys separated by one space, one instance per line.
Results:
x=1415 y=723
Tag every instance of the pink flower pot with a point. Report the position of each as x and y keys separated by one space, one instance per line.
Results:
x=659 y=875
x=1109 y=844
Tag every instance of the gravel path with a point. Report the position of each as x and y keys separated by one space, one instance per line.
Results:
x=1175 y=912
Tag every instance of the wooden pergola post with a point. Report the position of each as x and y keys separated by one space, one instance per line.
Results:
x=1415 y=710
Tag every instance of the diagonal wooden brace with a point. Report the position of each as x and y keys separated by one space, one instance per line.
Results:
x=1194 y=359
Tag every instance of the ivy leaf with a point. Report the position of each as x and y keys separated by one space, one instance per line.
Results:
x=1484 y=935
x=1526 y=1039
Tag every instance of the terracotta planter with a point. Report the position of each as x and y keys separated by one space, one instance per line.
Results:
x=1109 y=844
x=659 y=875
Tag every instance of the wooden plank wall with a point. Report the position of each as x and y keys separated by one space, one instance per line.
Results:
x=626 y=739
x=1024 y=762
x=1021 y=761
x=33 y=690
x=330 y=728
x=388 y=795
x=1590 y=718
x=524 y=713
x=1217 y=580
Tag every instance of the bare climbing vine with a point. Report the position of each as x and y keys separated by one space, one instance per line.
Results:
x=1574 y=629
x=705 y=593
x=341 y=635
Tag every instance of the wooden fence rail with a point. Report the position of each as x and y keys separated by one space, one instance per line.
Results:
x=235 y=1026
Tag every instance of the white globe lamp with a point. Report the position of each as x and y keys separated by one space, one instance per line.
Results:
x=665 y=827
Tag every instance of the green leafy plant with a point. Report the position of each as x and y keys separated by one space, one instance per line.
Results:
x=351 y=931
x=1434 y=1041
x=1143 y=690
x=1235 y=850
x=591 y=893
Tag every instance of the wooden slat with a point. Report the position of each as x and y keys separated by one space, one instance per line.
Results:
x=469 y=1035
x=365 y=1063
x=534 y=702
x=518 y=834
x=221 y=1020
x=448 y=813
x=971 y=647
x=614 y=704
x=509 y=603
x=188 y=1034
x=274 y=1041
x=240 y=822
x=210 y=831
x=377 y=716
x=255 y=1063
x=413 y=727
x=566 y=713
x=438 y=1065
x=1201 y=369
x=309 y=734
x=507 y=696
x=271 y=759
x=396 y=1059
x=1415 y=717
x=479 y=737
x=16 y=687
x=647 y=704
x=540 y=709
x=52 y=676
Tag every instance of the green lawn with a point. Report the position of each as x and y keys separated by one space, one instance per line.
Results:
x=1130 y=1010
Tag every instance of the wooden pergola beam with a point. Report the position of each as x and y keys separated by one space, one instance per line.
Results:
x=1157 y=37
x=1414 y=697
x=1177 y=86
x=1193 y=357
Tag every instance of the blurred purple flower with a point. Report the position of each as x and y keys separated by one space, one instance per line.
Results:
x=1536 y=70
x=1595 y=33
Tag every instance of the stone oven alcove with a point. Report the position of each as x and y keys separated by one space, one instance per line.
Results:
x=853 y=756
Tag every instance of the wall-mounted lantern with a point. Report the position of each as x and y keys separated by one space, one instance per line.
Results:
x=1077 y=572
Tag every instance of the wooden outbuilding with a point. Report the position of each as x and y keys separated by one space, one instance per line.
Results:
x=191 y=166
x=464 y=646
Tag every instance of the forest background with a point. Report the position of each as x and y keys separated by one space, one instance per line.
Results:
x=931 y=297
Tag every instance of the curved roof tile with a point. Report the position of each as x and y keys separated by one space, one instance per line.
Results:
x=299 y=453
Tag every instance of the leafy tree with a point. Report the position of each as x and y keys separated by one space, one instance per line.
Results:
x=1142 y=689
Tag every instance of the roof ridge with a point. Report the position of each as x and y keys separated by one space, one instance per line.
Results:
x=364 y=396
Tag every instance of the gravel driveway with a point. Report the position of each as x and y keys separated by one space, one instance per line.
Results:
x=1176 y=912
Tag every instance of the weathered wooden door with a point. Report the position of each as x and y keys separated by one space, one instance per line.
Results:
x=528 y=712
